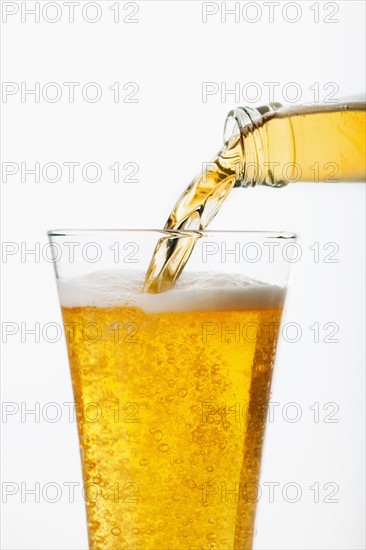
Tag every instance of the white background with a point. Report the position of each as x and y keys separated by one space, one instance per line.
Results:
x=169 y=132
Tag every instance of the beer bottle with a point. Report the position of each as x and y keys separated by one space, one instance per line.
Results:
x=307 y=143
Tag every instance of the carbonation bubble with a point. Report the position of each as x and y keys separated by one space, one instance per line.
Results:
x=158 y=435
x=191 y=483
x=163 y=448
x=116 y=531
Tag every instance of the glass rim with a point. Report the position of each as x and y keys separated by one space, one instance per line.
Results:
x=260 y=234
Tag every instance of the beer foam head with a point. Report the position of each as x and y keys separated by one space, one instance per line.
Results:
x=192 y=292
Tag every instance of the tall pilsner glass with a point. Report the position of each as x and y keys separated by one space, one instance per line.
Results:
x=171 y=389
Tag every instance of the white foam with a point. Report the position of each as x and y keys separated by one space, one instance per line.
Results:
x=193 y=292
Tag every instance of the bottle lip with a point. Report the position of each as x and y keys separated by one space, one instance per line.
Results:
x=245 y=119
x=236 y=120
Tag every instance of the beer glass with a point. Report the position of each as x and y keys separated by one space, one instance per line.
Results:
x=171 y=389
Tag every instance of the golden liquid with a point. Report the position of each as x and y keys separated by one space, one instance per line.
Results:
x=171 y=415
x=318 y=143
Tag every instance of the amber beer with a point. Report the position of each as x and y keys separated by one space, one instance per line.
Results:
x=171 y=393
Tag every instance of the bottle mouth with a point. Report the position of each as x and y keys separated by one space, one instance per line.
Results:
x=231 y=128
x=236 y=121
x=239 y=125
x=244 y=120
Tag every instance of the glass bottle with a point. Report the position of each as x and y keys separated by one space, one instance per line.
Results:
x=310 y=143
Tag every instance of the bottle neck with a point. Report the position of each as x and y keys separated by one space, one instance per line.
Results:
x=257 y=167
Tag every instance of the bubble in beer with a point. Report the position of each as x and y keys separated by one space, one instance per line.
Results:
x=158 y=435
x=190 y=483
